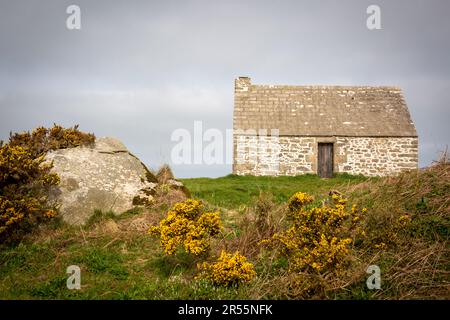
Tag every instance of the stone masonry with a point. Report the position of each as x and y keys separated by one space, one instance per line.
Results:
x=297 y=155
x=277 y=129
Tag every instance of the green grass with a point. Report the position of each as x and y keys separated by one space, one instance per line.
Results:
x=233 y=191
x=124 y=265
x=132 y=265
x=134 y=268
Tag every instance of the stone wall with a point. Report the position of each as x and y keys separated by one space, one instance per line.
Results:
x=376 y=156
x=290 y=155
x=266 y=155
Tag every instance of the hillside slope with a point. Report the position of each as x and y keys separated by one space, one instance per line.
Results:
x=120 y=261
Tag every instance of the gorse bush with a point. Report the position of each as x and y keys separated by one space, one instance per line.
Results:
x=299 y=200
x=25 y=177
x=317 y=239
x=187 y=225
x=229 y=269
x=42 y=140
x=24 y=184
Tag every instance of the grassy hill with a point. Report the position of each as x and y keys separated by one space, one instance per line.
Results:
x=234 y=191
x=119 y=260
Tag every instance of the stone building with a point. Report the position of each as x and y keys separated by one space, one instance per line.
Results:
x=292 y=130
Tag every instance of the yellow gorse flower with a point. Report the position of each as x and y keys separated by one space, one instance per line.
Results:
x=299 y=200
x=404 y=219
x=318 y=238
x=229 y=269
x=380 y=245
x=188 y=226
x=23 y=180
x=50 y=214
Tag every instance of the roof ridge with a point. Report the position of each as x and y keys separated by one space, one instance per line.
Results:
x=326 y=86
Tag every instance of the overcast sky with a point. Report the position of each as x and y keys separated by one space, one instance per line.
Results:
x=138 y=70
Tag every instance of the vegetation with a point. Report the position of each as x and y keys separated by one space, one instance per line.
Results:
x=26 y=180
x=24 y=185
x=188 y=226
x=317 y=239
x=230 y=269
x=234 y=192
x=41 y=140
x=258 y=254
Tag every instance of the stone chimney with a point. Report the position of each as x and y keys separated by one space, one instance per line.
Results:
x=242 y=84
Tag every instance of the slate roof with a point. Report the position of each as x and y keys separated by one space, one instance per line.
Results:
x=322 y=110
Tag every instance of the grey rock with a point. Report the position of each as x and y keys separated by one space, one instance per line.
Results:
x=105 y=177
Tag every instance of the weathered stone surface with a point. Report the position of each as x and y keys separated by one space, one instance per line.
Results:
x=369 y=156
x=105 y=177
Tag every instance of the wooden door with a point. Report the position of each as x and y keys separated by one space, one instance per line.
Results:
x=325 y=160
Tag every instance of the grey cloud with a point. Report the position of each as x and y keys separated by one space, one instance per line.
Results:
x=140 y=69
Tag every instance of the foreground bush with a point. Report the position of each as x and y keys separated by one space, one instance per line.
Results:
x=41 y=140
x=230 y=269
x=317 y=239
x=188 y=226
x=25 y=178
x=24 y=184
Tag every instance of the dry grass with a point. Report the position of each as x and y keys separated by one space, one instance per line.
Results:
x=414 y=262
x=164 y=174
x=417 y=257
x=254 y=224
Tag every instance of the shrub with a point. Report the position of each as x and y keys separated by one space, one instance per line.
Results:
x=230 y=269
x=42 y=140
x=24 y=183
x=25 y=178
x=298 y=200
x=317 y=239
x=187 y=225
